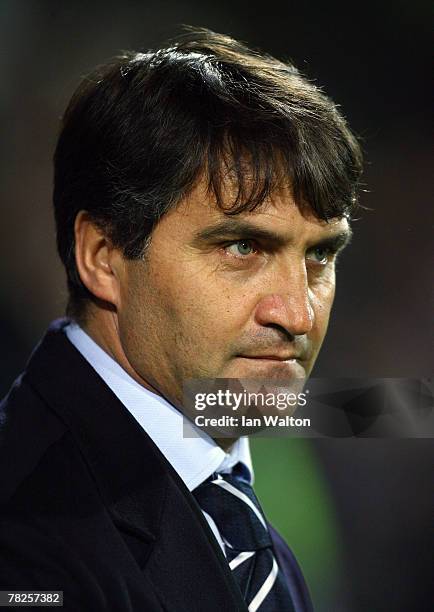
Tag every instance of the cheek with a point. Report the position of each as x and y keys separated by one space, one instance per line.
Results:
x=208 y=302
x=322 y=294
x=134 y=325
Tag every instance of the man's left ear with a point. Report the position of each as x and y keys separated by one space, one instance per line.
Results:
x=99 y=264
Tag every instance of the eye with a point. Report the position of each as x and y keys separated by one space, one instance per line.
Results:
x=241 y=248
x=320 y=255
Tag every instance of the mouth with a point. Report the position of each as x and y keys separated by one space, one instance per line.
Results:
x=288 y=366
x=282 y=358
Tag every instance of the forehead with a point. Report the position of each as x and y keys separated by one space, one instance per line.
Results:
x=198 y=213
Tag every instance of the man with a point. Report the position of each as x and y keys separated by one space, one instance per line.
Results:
x=202 y=194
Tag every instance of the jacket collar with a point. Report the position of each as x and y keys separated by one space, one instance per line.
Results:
x=194 y=458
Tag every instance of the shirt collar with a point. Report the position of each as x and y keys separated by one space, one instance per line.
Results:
x=196 y=458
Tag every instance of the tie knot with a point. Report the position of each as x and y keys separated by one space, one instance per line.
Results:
x=230 y=501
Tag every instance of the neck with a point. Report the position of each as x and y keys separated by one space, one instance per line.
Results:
x=102 y=327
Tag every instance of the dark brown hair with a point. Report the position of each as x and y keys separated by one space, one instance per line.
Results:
x=140 y=130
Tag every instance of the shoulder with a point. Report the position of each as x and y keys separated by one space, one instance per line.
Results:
x=28 y=429
x=48 y=502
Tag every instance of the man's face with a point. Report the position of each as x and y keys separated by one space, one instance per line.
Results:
x=218 y=296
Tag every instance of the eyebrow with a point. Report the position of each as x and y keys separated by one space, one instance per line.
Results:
x=232 y=229
x=336 y=242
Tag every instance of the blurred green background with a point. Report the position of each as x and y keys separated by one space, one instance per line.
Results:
x=296 y=500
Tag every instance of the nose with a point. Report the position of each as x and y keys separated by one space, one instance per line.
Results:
x=288 y=304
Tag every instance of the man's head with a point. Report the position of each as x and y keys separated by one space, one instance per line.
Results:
x=201 y=194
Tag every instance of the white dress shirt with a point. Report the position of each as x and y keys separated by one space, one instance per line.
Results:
x=196 y=458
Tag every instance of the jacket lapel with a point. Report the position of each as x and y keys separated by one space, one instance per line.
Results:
x=157 y=516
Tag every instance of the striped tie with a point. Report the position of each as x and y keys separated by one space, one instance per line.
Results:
x=231 y=503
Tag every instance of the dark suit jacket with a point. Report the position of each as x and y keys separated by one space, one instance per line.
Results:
x=90 y=506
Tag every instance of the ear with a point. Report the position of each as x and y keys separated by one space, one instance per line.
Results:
x=98 y=262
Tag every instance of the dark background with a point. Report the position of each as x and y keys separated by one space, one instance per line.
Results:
x=357 y=512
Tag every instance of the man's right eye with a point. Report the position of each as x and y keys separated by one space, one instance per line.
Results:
x=241 y=248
